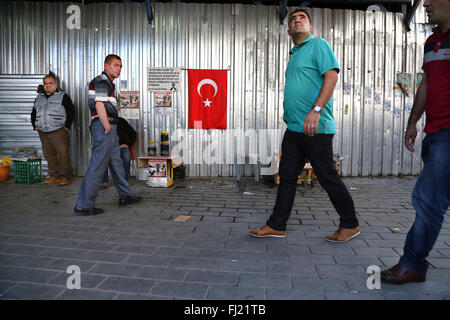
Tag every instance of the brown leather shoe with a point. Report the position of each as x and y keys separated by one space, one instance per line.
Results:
x=266 y=232
x=65 y=182
x=344 y=234
x=400 y=275
x=52 y=180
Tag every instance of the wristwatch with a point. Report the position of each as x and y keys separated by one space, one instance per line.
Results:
x=317 y=108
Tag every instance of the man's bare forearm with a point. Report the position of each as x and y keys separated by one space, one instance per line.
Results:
x=420 y=102
x=329 y=83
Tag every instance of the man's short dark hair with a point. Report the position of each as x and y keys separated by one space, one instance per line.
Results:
x=300 y=10
x=111 y=57
x=51 y=75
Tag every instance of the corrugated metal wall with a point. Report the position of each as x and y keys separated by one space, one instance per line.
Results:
x=248 y=40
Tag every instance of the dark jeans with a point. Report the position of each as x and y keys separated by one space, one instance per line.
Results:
x=431 y=199
x=296 y=149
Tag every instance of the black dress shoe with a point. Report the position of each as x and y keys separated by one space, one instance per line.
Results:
x=87 y=212
x=129 y=200
x=400 y=275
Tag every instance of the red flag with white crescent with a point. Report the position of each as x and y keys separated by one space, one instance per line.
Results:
x=207 y=99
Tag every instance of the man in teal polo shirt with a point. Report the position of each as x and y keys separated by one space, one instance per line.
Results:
x=311 y=77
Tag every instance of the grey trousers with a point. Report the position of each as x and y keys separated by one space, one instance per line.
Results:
x=105 y=152
x=56 y=149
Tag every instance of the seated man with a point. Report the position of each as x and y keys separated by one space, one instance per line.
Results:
x=127 y=138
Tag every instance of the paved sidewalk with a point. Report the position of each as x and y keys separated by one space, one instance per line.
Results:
x=140 y=252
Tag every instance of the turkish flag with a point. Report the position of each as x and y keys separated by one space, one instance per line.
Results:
x=207 y=99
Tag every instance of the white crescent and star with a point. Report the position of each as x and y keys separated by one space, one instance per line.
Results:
x=201 y=84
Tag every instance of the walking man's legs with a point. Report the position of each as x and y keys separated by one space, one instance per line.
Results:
x=430 y=199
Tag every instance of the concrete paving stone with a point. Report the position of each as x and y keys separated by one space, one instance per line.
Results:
x=25 y=250
x=158 y=273
x=136 y=296
x=28 y=261
x=98 y=246
x=293 y=294
x=177 y=252
x=388 y=262
x=4 y=286
x=316 y=222
x=209 y=244
x=290 y=249
x=179 y=290
x=242 y=245
x=27 y=291
x=23 y=240
x=122 y=284
x=5 y=259
x=260 y=257
x=357 y=260
x=212 y=277
x=410 y=296
x=311 y=259
x=116 y=238
x=442 y=275
x=14 y=273
x=331 y=249
x=86 y=280
x=265 y=280
x=86 y=236
x=220 y=254
x=61 y=243
x=427 y=287
x=316 y=284
x=230 y=216
x=115 y=269
x=104 y=256
x=443 y=251
x=194 y=263
x=353 y=295
x=385 y=243
x=235 y=293
x=63 y=264
x=236 y=227
x=207 y=227
x=387 y=252
x=341 y=272
x=441 y=263
x=148 y=260
x=291 y=268
x=369 y=236
x=240 y=266
x=136 y=249
x=401 y=236
x=86 y=294
x=302 y=240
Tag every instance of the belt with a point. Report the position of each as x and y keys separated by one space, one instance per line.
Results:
x=111 y=120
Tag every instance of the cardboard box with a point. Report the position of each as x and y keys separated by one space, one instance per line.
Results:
x=157 y=170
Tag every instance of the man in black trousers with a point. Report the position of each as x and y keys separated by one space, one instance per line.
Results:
x=311 y=77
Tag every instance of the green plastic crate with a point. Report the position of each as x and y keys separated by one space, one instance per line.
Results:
x=28 y=172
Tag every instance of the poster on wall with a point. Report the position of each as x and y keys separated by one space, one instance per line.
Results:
x=403 y=80
x=163 y=102
x=129 y=104
x=164 y=79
